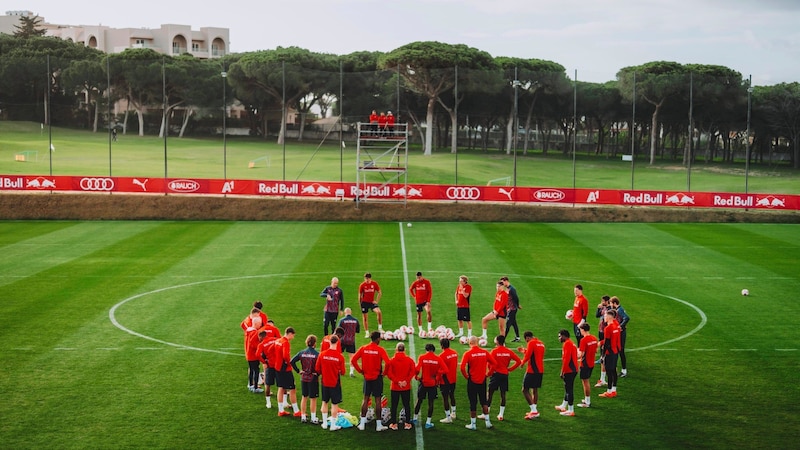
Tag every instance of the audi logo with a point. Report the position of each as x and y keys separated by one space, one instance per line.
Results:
x=463 y=193
x=97 y=184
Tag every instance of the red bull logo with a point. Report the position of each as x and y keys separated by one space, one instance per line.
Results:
x=733 y=200
x=643 y=198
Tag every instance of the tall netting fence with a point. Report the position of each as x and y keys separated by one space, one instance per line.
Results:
x=251 y=116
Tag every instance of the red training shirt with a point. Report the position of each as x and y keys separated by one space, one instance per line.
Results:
x=371 y=357
x=534 y=356
x=421 y=290
x=429 y=367
x=580 y=309
x=449 y=358
x=476 y=364
x=569 y=357
x=588 y=350
x=367 y=291
x=504 y=355
x=462 y=295
x=330 y=364
x=500 y=302
x=401 y=370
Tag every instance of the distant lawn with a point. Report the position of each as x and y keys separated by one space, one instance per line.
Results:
x=84 y=153
x=708 y=368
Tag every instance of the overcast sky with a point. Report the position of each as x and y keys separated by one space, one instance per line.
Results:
x=595 y=38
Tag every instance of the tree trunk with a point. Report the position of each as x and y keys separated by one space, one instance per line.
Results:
x=187 y=114
x=96 y=117
x=429 y=129
x=654 y=134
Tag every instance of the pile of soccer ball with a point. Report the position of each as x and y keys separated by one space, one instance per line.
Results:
x=399 y=334
x=439 y=333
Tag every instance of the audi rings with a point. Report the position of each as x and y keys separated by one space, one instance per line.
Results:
x=463 y=193
x=97 y=184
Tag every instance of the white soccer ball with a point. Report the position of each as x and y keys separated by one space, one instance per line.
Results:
x=401 y=336
x=482 y=342
x=448 y=330
x=745 y=292
x=463 y=340
x=388 y=336
x=432 y=334
x=409 y=329
x=441 y=328
x=450 y=336
x=568 y=314
x=423 y=335
x=408 y=224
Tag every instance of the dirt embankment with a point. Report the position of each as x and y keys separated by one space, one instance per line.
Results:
x=176 y=207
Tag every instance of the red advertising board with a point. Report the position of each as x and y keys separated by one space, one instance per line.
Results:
x=428 y=192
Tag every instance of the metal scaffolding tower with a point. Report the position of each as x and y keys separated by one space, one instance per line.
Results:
x=382 y=163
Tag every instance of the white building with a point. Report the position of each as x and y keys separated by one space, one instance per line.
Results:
x=170 y=39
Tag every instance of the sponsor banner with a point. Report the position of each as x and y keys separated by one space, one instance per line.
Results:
x=371 y=191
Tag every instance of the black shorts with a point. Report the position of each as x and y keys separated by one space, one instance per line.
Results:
x=499 y=382
x=532 y=381
x=463 y=314
x=476 y=393
x=349 y=348
x=310 y=389
x=373 y=388
x=269 y=378
x=332 y=394
x=447 y=389
x=421 y=307
x=285 y=380
x=586 y=372
x=367 y=307
x=498 y=316
x=427 y=392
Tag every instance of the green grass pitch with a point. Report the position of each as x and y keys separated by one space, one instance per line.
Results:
x=708 y=368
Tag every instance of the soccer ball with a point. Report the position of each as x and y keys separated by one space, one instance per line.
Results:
x=408 y=224
x=463 y=340
x=423 y=335
x=389 y=336
x=745 y=292
x=401 y=336
x=482 y=342
x=440 y=328
x=568 y=314
x=407 y=329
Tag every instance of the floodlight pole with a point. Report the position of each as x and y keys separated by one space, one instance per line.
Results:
x=691 y=134
x=108 y=120
x=574 y=131
x=516 y=122
x=747 y=138
x=632 y=131
x=49 y=117
x=164 y=96
x=224 y=75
